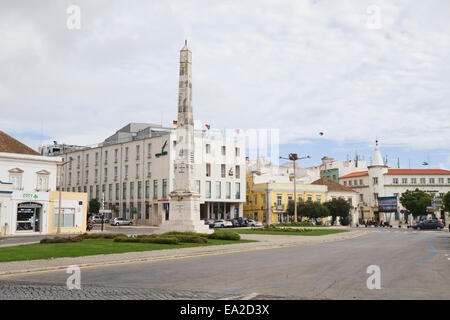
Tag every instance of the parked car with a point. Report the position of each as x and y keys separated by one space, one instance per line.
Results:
x=253 y=223
x=235 y=223
x=429 y=224
x=98 y=219
x=121 y=222
x=222 y=224
x=209 y=221
x=243 y=222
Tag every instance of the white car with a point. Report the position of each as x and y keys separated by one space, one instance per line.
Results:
x=253 y=223
x=222 y=224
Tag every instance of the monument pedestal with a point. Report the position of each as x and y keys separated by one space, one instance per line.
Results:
x=184 y=214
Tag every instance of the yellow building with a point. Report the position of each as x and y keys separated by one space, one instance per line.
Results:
x=270 y=199
x=74 y=212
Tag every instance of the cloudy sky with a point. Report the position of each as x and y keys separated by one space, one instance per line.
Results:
x=303 y=67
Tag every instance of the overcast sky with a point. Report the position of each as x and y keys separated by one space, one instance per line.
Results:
x=303 y=66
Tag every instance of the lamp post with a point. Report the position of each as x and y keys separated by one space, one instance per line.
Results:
x=293 y=157
x=60 y=165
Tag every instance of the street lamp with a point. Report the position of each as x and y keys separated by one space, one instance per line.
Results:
x=60 y=165
x=293 y=157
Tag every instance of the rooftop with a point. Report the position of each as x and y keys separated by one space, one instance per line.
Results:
x=332 y=186
x=417 y=171
x=10 y=145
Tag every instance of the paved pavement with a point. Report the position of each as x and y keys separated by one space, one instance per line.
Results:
x=414 y=265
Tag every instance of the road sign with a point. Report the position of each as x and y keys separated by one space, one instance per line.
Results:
x=436 y=203
x=430 y=209
x=104 y=211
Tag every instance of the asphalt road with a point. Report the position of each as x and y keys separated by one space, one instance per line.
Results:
x=413 y=265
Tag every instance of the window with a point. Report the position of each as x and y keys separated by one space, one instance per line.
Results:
x=78 y=176
x=228 y=190
x=448 y=180
x=149 y=169
x=360 y=182
x=67 y=217
x=309 y=197
x=124 y=191
x=208 y=170
x=117 y=191
x=96 y=175
x=395 y=181
x=147 y=189
x=126 y=171
x=116 y=155
x=208 y=189
x=223 y=170
x=208 y=148
x=87 y=159
x=97 y=192
x=115 y=173
x=441 y=180
x=70 y=177
x=319 y=198
x=218 y=190
x=431 y=180
x=375 y=196
x=345 y=183
x=106 y=156
x=237 y=187
x=404 y=180
x=42 y=183
x=238 y=172
x=106 y=174
x=149 y=150
x=197 y=186
x=263 y=197
x=350 y=201
x=361 y=198
x=224 y=150
x=139 y=195
x=279 y=200
x=87 y=176
x=255 y=200
x=96 y=158
x=350 y=183
x=131 y=190
x=155 y=189
x=413 y=180
x=164 y=188
x=137 y=170
x=375 y=180
x=422 y=180
x=126 y=154
x=91 y=192
x=138 y=152
x=237 y=152
x=110 y=191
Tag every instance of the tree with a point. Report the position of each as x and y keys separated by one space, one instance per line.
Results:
x=312 y=210
x=446 y=202
x=415 y=202
x=339 y=208
x=94 y=206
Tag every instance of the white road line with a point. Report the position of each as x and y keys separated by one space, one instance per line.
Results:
x=250 y=296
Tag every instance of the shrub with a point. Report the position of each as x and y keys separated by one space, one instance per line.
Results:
x=176 y=233
x=296 y=224
x=62 y=239
x=148 y=239
x=102 y=235
x=225 y=235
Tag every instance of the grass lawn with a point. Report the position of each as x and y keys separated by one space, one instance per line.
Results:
x=309 y=232
x=90 y=247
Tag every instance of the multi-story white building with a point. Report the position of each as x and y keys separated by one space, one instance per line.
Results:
x=133 y=172
x=27 y=193
x=381 y=181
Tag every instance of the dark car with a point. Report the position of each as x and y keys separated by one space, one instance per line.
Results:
x=235 y=223
x=243 y=222
x=429 y=224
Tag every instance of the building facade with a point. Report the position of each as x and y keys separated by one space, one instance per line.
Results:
x=381 y=181
x=267 y=199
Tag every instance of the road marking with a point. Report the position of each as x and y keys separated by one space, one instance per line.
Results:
x=250 y=296
x=242 y=297
x=432 y=254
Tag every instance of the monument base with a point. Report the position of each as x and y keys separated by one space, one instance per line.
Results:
x=184 y=214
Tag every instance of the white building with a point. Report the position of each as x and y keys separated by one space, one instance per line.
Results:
x=133 y=171
x=27 y=180
x=381 y=181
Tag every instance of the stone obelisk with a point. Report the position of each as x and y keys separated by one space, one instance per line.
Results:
x=184 y=203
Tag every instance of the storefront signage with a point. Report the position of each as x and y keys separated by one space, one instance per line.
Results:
x=30 y=196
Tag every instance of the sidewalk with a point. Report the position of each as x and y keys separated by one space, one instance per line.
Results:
x=265 y=242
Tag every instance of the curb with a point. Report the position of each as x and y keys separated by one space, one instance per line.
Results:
x=178 y=256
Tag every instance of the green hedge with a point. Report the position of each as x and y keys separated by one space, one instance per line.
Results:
x=225 y=235
x=103 y=235
x=62 y=239
x=149 y=239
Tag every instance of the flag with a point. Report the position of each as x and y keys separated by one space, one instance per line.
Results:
x=175 y=123
x=207 y=126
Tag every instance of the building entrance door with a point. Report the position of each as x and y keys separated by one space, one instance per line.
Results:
x=28 y=217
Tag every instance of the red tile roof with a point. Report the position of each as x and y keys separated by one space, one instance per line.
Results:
x=417 y=171
x=355 y=174
x=332 y=186
x=11 y=145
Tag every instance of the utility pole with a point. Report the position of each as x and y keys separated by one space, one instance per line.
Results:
x=293 y=157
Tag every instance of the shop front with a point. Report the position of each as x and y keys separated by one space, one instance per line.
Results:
x=29 y=217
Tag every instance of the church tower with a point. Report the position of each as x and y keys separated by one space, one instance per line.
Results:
x=184 y=203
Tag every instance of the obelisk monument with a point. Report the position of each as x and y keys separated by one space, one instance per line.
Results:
x=184 y=203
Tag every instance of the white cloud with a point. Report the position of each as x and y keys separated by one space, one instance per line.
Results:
x=301 y=66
